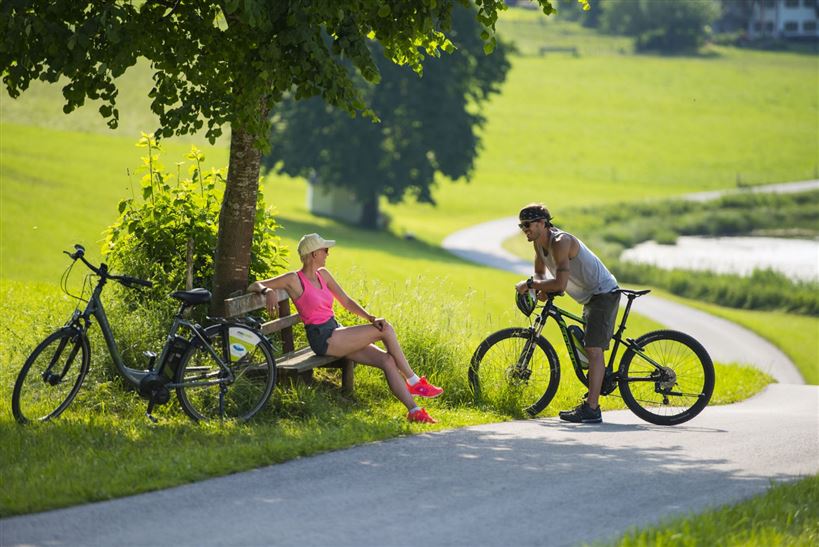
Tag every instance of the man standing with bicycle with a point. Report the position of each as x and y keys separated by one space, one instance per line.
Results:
x=573 y=268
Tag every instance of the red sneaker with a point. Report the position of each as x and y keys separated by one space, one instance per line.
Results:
x=424 y=389
x=421 y=416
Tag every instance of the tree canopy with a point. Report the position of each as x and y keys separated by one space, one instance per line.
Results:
x=220 y=62
x=427 y=125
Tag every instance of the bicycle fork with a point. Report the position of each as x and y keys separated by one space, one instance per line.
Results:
x=522 y=369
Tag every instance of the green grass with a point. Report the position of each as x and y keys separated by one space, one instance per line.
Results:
x=787 y=514
x=796 y=335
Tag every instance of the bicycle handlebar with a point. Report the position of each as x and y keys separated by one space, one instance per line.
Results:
x=102 y=270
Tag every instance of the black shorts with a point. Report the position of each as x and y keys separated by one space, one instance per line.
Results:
x=318 y=335
x=600 y=314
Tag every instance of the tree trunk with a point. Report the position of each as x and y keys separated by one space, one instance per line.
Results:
x=369 y=212
x=236 y=220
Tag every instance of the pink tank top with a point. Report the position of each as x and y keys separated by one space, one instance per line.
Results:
x=315 y=305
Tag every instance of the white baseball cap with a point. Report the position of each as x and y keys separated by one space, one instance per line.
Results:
x=313 y=242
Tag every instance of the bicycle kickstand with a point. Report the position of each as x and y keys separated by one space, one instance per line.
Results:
x=150 y=409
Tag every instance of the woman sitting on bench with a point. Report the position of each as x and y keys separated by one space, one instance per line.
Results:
x=312 y=289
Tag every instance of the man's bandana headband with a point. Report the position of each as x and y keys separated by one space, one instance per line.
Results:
x=533 y=214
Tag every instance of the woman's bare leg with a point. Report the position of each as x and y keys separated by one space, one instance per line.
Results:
x=346 y=340
x=375 y=356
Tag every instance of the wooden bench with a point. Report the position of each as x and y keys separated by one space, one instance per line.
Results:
x=293 y=362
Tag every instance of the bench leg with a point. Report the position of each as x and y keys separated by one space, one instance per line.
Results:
x=347 y=376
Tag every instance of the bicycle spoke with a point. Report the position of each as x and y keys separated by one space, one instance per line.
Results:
x=236 y=390
x=503 y=378
x=51 y=377
x=678 y=389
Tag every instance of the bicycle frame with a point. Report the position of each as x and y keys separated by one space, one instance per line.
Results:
x=94 y=308
x=135 y=376
x=550 y=309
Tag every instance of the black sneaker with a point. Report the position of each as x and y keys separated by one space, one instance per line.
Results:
x=582 y=414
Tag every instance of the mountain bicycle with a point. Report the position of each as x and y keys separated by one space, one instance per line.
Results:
x=665 y=377
x=225 y=370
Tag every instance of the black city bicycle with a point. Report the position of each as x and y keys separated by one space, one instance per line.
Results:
x=225 y=370
x=665 y=377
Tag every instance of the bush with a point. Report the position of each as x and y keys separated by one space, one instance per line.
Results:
x=175 y=217
x=762 y=290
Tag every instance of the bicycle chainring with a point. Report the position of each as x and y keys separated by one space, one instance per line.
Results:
x=154 y=388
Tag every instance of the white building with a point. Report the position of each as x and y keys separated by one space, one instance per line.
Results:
x=784 y=19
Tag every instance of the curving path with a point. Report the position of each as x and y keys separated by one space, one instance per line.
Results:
x=532 y=482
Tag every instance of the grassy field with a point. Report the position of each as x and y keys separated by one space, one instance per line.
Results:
x=796 y=335
x=787 y=514
x=627 y=127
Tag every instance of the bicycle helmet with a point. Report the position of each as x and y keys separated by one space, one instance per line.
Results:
x=526 y=302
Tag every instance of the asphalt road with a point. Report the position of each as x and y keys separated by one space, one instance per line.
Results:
x=533 y=482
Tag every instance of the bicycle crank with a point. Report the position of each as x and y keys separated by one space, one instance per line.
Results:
x=154 y=388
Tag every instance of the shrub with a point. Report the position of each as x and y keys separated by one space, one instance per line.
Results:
x=177 y=217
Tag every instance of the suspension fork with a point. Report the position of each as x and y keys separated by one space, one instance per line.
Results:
x=534 y=333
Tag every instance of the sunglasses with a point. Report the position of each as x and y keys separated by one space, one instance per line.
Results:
x=526 y=223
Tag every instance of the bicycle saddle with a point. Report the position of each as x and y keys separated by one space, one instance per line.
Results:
x=629 y=292
x=193 y=297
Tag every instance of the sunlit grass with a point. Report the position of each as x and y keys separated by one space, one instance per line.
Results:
x=787 y=514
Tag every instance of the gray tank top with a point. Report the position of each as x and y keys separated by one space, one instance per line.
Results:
x=587 y=274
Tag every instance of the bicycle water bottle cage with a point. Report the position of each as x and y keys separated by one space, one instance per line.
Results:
x=526 y=302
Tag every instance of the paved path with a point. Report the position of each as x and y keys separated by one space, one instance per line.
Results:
x=515 y=483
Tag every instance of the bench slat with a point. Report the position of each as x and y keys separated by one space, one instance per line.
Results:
x=304 y=359
x=249 y=302
x=278 y=324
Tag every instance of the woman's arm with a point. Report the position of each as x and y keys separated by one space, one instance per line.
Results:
x=349 y=304
x=287 y=281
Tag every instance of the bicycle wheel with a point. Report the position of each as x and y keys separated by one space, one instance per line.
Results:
x=498 y=377
x=51 y=376
x=677 y=391
x=204 y=388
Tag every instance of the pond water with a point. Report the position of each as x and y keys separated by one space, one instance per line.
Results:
x=796 y=258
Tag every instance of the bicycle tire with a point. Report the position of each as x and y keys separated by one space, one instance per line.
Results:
x=676 y=398
x=37 y=397
x=494 y=380
x=255 y=377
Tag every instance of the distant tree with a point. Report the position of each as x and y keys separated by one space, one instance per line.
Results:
x=735 y=15
x=222 y=62
x=670 y=27
x=427 y=126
